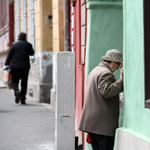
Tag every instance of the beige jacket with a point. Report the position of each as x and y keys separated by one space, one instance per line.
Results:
x=101 y=107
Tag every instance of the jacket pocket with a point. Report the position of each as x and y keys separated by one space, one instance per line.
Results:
x=113 y=105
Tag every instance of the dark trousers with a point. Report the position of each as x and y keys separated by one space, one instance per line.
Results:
x=20 y=74
x=101 y=142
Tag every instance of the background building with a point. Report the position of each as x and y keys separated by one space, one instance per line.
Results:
x=4 y=36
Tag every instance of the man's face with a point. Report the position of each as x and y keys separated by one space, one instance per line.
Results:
x=118 y=65
x=114 y=66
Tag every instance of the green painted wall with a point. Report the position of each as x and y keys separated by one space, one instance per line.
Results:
x=136 y=117
x=104 y=32
x=134 y=111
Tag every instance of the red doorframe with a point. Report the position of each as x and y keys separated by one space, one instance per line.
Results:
x=75 y=43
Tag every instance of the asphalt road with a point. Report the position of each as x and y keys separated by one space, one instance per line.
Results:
x=25 y=127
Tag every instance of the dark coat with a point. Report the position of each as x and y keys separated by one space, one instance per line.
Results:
x=19 y=54
x=101 y=107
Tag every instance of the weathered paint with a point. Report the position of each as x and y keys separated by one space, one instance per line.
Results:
x=46 y=25
x=41 y=75
x=104 y=32
x=136 y=117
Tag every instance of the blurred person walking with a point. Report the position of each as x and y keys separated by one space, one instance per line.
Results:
x=18 y=55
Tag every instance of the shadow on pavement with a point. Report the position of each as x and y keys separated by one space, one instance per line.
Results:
x=6 y=111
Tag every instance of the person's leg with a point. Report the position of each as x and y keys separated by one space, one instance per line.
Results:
x=94 y=143
x=15 y=81
x=105 y=142
x=24 y=82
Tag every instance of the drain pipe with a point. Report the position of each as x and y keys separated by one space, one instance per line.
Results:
x=11 y=21
x=67 y=25
x=11 y=29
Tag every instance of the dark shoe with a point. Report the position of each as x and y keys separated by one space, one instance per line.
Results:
x=23 y=102
x=17 y=97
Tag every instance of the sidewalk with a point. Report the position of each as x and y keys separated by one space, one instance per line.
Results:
x=2 y=85
x=25 y=127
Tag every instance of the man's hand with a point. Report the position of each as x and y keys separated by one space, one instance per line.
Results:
x=5 y=67
x=121 y=73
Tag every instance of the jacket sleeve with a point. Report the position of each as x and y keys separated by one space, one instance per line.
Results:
x=108 y=87
x=31 y=51
x=9 y=55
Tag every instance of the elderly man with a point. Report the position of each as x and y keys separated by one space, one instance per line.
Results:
x=18 y=55
x=101 y=108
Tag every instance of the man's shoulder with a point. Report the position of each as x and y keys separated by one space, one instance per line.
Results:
x=21 y=42
x=13 y=43
x=102 y=70
x=17 y=42
x=28 y=42
x=99 y=71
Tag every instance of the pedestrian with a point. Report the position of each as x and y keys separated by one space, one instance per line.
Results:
x=101 y=107
x=18 y=56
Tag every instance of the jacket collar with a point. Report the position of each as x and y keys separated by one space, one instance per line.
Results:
x=102 y=64
x=20 y=39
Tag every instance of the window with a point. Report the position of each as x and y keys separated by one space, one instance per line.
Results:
x=147 y=51
x=32 y=37
x=24 y=15
x=17 y=25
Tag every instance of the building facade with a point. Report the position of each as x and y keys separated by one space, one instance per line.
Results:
x=4 y=36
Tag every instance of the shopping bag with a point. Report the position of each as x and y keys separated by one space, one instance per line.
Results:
x=88 y=138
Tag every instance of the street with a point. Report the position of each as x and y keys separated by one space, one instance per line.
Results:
x=25 y=127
